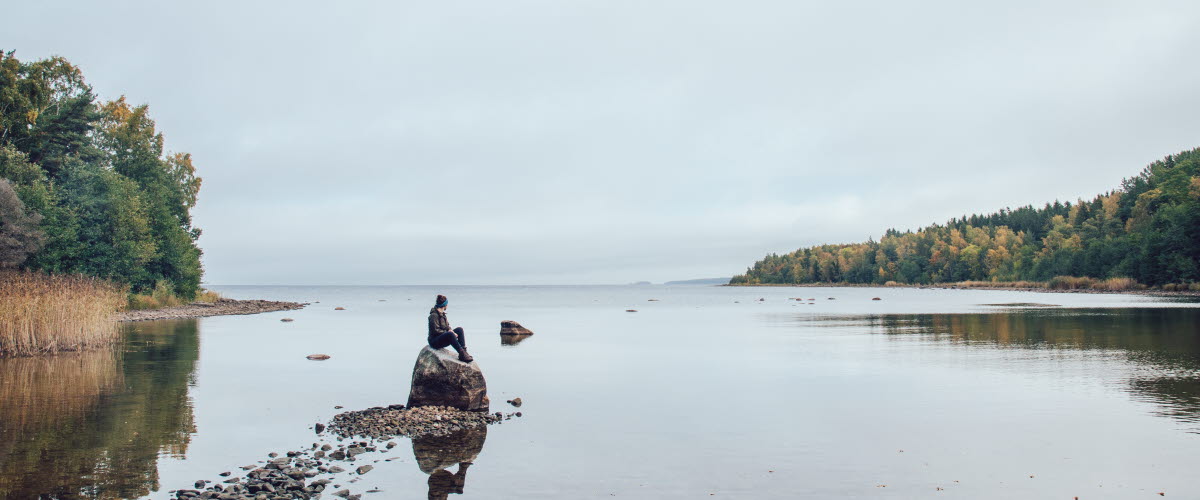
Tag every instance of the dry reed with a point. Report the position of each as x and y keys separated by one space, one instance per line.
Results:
x=42 y=313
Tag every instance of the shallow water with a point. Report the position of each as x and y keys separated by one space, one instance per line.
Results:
x=705 y=391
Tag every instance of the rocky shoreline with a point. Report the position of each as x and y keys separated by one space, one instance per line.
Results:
x=222 y=307
x=295 y=474
x=396 y=421
x=1150 y=292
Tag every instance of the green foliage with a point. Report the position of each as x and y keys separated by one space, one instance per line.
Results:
x=112 y=203
x=1147 y=231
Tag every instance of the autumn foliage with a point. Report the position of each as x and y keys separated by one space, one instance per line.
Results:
x=1145 y=232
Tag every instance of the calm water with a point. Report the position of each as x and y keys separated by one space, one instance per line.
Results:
x=707 y=391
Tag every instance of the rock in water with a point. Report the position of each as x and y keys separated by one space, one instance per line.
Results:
x=318 y=357
x=513 y=328
x=440 y=379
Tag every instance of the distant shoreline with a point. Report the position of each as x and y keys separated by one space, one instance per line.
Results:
x=1157 y=293
x=222 y=307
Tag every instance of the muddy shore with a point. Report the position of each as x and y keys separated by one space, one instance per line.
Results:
x=222 y=307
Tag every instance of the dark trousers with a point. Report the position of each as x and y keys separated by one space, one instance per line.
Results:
x=456 y=339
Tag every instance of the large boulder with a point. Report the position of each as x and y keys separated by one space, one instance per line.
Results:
x=440 y=379
x=509 y=327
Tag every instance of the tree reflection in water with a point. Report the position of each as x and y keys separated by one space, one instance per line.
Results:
x=1163 y=343
x=435 y=454
x=92 y=424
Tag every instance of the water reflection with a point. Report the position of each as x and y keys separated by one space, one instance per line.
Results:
x=435 y=454
x=511 y=340
x=1162 y=344
x=92 y=424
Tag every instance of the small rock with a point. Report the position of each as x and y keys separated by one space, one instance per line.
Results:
x=339 y=308
x=631 y=310
x=876 y=298
x=287 y=320
x=225 y=474
x=319 y=428
x=318 y=357
x=509 y=327
x=515 y=402
x=364 y=469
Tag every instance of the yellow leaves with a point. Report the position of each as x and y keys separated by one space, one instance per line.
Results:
x=31 y=116
x=1110 y=204
x=1194 y=188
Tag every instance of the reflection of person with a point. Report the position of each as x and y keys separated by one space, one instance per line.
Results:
x=440 y=334
x=442 y=483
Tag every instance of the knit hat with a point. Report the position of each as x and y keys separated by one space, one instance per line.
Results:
x=442 y=301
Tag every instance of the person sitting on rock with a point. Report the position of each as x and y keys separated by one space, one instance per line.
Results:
x=440 y=334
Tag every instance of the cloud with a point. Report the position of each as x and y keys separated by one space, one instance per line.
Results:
x=582 y=142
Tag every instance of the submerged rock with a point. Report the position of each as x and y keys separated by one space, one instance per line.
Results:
x=509 y=327
x=440 y=379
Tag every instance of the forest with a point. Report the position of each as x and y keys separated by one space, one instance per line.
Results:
x=86 y=187
x=1144 y=233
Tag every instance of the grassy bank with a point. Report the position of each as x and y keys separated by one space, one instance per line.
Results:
x=42 y=313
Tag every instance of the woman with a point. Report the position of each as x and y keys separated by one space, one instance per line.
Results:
x=440 y=334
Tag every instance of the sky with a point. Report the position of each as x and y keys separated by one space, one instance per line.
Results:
x=597 y=142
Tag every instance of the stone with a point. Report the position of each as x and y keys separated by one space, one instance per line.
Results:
x=319 y=427
x=509 y=327
x=515 y=402
x=876 y=298
x=631 y=310
x=287 y=320
x=339 y=308
x=364 y=469
x=318 y=357
x=440 y=379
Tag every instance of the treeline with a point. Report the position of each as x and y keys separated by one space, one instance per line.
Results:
x=86 y=187
x=1147 y=230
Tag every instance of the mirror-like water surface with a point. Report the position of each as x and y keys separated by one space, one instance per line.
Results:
x=707 y=390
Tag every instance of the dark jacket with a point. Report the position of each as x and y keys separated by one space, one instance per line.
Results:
x=438 y=324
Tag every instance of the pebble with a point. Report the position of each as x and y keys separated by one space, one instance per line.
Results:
x=388 y=422
x=292 y=476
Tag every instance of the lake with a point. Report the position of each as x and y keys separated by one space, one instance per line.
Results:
x=706 y=391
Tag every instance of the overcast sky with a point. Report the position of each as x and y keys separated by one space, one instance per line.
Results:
x=545 y=142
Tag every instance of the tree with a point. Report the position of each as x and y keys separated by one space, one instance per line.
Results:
x=19 y=234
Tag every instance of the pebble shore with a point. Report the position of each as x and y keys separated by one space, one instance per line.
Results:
x=222 y=307
x=294 y=475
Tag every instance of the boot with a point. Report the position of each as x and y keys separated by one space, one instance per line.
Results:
x=465 y=357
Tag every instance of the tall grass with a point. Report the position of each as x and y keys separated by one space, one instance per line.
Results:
x=41 y=313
